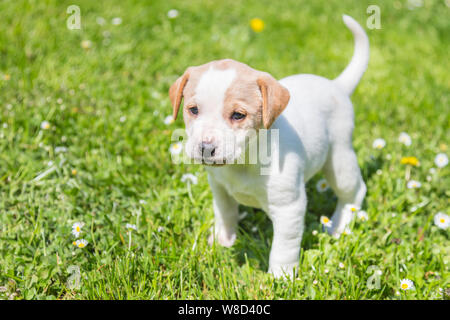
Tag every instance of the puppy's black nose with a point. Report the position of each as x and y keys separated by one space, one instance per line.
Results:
x=208 y=149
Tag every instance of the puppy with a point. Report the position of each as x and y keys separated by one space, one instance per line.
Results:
x=313 y=118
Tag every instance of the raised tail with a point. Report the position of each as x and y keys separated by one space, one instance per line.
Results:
x=349 y=78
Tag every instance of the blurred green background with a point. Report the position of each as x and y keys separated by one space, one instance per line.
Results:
x=103 y=90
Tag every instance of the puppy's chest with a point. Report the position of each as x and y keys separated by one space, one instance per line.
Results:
x=245 y=187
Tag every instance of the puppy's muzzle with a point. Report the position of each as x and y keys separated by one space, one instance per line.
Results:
x=208 y=150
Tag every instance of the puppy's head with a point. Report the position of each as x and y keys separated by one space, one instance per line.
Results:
x=223 y=101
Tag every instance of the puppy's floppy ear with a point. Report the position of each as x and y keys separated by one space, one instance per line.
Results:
x=275 y=98
x=176 y=92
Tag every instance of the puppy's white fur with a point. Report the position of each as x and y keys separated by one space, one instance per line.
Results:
x=315 y=133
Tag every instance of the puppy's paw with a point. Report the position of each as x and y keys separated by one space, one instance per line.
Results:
x=284 y=271
x=224 y=238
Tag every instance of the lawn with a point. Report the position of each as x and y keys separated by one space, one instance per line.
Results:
x=83 y=139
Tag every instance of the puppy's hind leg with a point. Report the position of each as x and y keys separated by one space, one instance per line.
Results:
x=343 y=174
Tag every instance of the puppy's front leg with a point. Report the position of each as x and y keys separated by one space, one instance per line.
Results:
x=225 y=214
x=288 y=225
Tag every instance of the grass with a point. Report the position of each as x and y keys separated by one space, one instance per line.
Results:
x=106 y=105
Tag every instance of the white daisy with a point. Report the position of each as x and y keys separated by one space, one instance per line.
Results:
x=45 y=125
x=347 y=231
x=169 y=120
x=172 y=14
x=76 y=228
x=413 y=4
x=406 y=284
x=81 y=243
x=60 y=149
x=123 y=119
x=351 y=207
x=442 y=220
x=379 y=143
x=314 y=232
x=413 y=184
x=441 y=160
x=100 y=21
x=322 y=185
x=405 y=139
x=362 y=215
x=116 y=21
x=326 y=221
x=189 y=177
x=341 y=265
x=176 y=148
x=130 y=226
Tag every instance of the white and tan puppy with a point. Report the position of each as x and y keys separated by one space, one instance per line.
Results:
x=314 y=119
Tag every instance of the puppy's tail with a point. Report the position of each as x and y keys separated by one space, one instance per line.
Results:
x=349 y=78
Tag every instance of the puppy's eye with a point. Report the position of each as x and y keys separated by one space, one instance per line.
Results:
x=238 y=116
x=193 y=110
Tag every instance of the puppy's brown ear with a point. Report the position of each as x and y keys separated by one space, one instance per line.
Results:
x=275 y=98
x=176 y=92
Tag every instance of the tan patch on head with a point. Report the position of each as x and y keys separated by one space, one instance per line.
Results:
x=253 y=92
x=243 y=96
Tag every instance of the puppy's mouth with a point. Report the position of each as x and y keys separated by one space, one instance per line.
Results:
x=212 y=162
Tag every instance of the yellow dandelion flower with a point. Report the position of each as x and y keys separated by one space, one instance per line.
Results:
x=410 y=160
x=257 y=25
x=74 y=172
